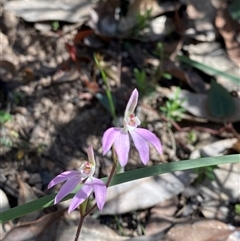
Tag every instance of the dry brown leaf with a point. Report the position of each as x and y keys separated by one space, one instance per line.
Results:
x=192 y=78
x=8 y=66
x=102 y=18
x=81 y=34
x=33 y=230
x=156 y=222
x=26 y=194
x=229 y=29
x=236 y=146
x=207 y=230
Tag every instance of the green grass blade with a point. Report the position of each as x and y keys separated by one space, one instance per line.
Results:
x=122 y=178
x=172 y=167
x=208 y=69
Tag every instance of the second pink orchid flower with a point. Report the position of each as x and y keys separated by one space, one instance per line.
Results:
x=119 y=137
x=83 y=175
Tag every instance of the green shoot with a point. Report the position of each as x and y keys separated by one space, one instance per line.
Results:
x=173 y=109
x=55 y=25
x=159 y=52
x=237 y=209
x=17 y=96
x=142 y=21
x=140 y=76
x=4 y=117
x=192 y=137
x=6 y=142
x=108 y=90
x=205 y=172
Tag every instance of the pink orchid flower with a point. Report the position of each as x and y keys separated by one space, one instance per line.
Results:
x=83 y=175
x=119 y=137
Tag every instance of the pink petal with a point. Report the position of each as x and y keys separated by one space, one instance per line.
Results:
x=122 y=146
x=132 y=103
x=109 y=137
x=142 y=146
x=100 y=191
x=62 y=177
x=80 y=196
x=151 y=138
x=67 y=187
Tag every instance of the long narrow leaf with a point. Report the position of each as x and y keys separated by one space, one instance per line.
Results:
x=122 y=178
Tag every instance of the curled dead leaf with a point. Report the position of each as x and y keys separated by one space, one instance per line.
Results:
x=207 y=230
x=33 y=230
x=228 y=29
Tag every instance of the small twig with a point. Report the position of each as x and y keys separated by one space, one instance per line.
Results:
x=231 y=127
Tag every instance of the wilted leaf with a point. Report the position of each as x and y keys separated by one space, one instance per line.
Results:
x=228 y=29
x=236 y=146
x=156 y=221
x=33 y=230
x=200 y=231
x=220 y=102
x=10 y=67
x=102 y=18
x=193 y=79
x=81 y=35
x=26 y=194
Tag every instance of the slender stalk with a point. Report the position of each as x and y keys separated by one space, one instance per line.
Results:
x=79 y=227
